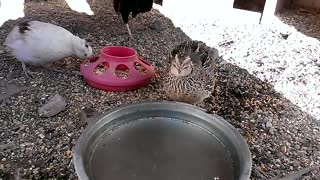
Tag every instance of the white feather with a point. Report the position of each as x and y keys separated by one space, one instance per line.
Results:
x=44 y=43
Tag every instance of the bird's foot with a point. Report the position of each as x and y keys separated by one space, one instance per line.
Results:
x=28 y=73
x=55 y=70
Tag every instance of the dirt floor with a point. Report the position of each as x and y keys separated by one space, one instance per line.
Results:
x=282 y=138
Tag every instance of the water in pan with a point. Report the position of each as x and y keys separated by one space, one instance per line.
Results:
x=160 y=149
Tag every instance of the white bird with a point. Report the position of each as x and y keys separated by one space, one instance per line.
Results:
x=40 y=44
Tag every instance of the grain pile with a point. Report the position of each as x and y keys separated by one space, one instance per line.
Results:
x=282 y=138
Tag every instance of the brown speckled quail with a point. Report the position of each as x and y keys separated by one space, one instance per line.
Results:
x=191 y=69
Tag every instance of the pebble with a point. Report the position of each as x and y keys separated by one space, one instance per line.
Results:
x=277 y=161
x=157 y=25
x=284 y=149
x=53 y=107
x=268 y=124
x=301 y=153
x=36 y=171
x=41 y=136
x=88 y=116
x=1 y=51
x=272 y=130
x=8 y=89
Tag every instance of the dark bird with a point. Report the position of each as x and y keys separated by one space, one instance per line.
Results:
x=191 y=70
x=125 y=7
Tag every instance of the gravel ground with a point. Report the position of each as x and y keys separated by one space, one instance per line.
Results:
x=282 y=137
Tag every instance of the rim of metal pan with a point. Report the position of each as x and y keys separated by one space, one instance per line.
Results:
x=236 y=141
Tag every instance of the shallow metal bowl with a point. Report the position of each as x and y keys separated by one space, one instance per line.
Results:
x=161 y=141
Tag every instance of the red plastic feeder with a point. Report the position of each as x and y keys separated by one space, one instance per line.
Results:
x=117 y=68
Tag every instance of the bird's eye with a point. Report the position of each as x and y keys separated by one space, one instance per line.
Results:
x=85 y=54
x=87 y=45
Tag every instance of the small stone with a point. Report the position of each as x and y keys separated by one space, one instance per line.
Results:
x=157 y=25
x=53 y=107
x=1 y=51
x=296 y=164
x=88 y=115
x=297 y=146
x=69 y=153
x=272 y=130
x=278 y=161
x=26 y=144
x=284 y=35
x=301 y=153
x=284 y=149
x=268 y=124
x=263 y=166
x=41 y=136
x=8 y=89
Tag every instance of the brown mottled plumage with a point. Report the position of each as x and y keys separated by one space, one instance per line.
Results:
x=191 y=71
